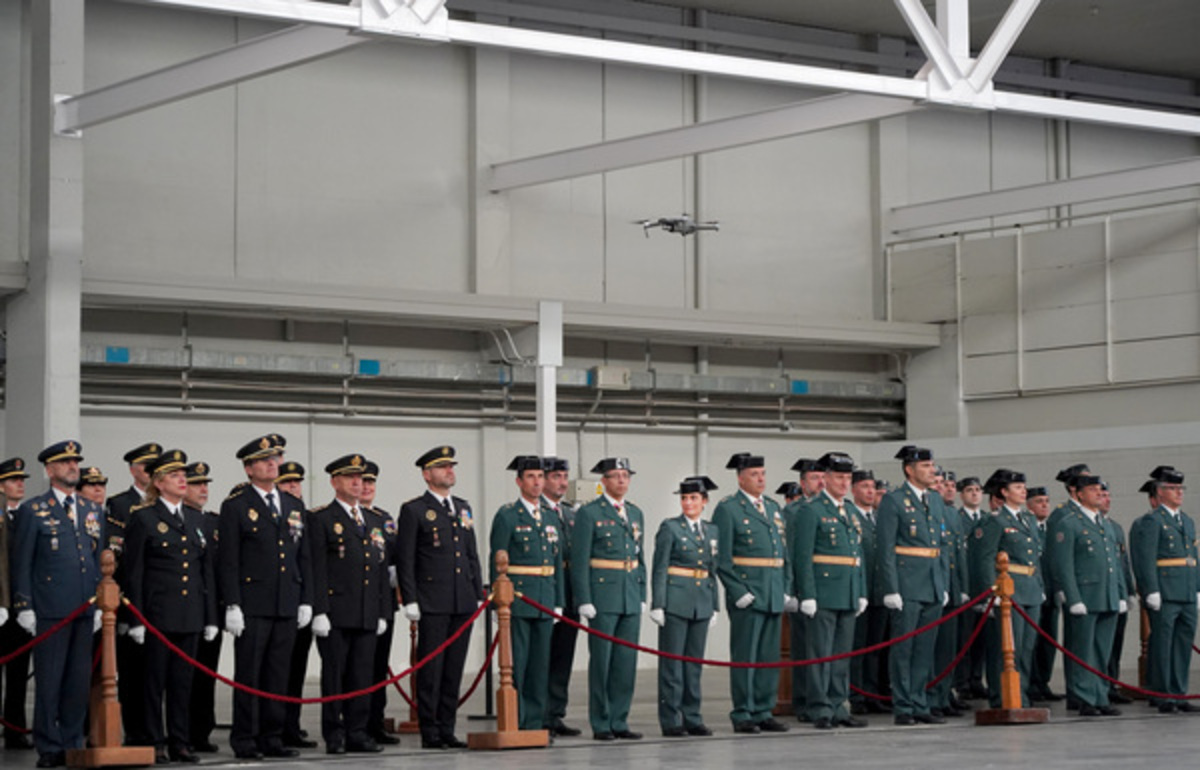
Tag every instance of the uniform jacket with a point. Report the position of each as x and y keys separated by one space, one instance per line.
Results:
x=870 y=549
x=694 y=596
x=1118 y=535
x=743 y=532
x=6 y=539
x=437 y=560
x=56 y=565
x=349 y=567
x=1085 y=561
x=263 y=561
x=954 y=553
x=389 y=535
x=168 y=568
x=819 y=530
x=1020 y=539
x=530 y=543
x=209 y=522
x=904 y=521
x=566 y=529
x=1157 y=536
x=600 y=534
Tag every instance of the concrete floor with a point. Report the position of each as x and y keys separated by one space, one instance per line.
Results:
x=1140 y=736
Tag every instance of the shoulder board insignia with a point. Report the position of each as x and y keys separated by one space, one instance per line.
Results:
x=726 y=498
x=140 y=506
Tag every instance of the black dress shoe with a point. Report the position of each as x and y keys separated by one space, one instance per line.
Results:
x=746 y=727
x=564 y=730
x=1115 y=696
x=280 y=752
x=386 y=739
x=951 y=712
x=674 y=732
x=184 y=755
x=960 y=704
x=627 y=735
x=905 y=719
x=450 y=742
x=1052 y=696
x=604 y=736
x=367 y=746
x=859 y=709
x=850 y=722
x=1088 y=711
x=1180 y=706
x=336 y=747
x=772 y=725
x=206 y=747
x=253 y=754
x=298 y=742
x=823 y=723
x=699 y=730
x=160 y=757
x=431 y=743
x=1165 y=707
x=929 y=719
x=53 y=759
x=1110 y=711
x=937 y=712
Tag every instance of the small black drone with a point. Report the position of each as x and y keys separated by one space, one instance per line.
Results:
x=684 y=225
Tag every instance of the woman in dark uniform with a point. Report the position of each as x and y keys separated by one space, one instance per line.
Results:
x=684 y=605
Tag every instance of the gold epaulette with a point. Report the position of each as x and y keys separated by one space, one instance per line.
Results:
x=139 y=506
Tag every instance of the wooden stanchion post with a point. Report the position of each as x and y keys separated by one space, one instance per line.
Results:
x=412 y=725
x=783 y=701
x=509 y=734
x=105 y=732
x=1144 y=654
x=1010 y=711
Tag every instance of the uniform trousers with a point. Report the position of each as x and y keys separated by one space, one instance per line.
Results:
x=1044 y=652
x=754 y=638
x=968 y=677
x=63 y=663
x=131 y=686
x=297 y=673
x=911 y=661
x=438 y=682
x=679 y=682
x=829 y=632
x=612 y=669
x=379 y=672
x=261 y=657
x=946 y=647
x=169 y=680
x=1172 y=629
x=869 y=672
x=1091 y=639
x=202 y=714
x=562 y=659
x=531 y=667
x=347 y=662
x=796 y=647
x=16 y=676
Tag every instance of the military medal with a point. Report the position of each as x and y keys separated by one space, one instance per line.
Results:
x=912 y=530
x=54 y=544
x=162 y=527
x=430 y=515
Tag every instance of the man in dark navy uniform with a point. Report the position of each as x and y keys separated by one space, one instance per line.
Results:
x=131 y=661
x=170 y=579
x=350 y=603
x=202 y=707
x=265 y=582
x=437 y=565
x=16 y=671
x=383 y=645
x=291 y=481
x=56 y=566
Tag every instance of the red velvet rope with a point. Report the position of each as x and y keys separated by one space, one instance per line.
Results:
x=486 y=665
x=49 y=632
x=292 y=699
x=953 y=664
x=1075 y=658
x=400 y=689
x=780 y=664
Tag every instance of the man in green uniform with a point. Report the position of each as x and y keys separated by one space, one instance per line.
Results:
x=942 y=700
x=608 y=574
x=752 y=564
x=1086 y=567
x=968 y=678
x=812 y=481
x=1118 y=534
x=831 y=587
x=529 y=534
x=1038 y=502
x=562 y=638
x=868 y=672
x=1163 y=546
x=684 y=604
x=914 y=581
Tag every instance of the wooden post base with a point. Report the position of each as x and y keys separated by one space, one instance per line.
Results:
x=111 y=756
x=410 y=727
x=514 y=739
x=1012 y=716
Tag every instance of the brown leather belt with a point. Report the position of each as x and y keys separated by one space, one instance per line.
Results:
x=627 y=565
x=687 y=572
x=843 y=561
x=1188 y=562
x=543 y=571
x=1021 y=569
x=757 y=561
x=924 y=553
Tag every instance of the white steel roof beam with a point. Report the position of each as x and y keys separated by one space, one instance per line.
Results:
x=1001 y=42
x=930 y=39
x=803 y=117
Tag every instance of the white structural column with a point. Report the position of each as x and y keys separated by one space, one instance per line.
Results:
x=549 y=358
x=43 y=322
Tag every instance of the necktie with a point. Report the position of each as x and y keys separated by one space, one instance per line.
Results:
x=358 y=519
x=450 y=507
x=621 y=512
x=842 y=510
x=1042 y=526
x=758 y=506
x=271 y=505
x=536 y=513
x=695 y=527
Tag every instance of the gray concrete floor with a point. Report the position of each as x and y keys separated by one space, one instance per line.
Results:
x=1139 y=736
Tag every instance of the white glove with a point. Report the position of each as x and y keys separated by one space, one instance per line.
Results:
x=809 y=607
x=122 y=629
x=303 y=615
x=138 y=634
x=1198 y=600
x=1132 y=599
x=97 y=620
x=1154 y=601
x=643 y=608
x=210 y=633
x=381 y=627
x=557 y=611
x=321 y=626
x=945 y=598
x=744 y=602
x=790 y=603
x=587 y=611
x=235 y=621
x=3 y=615
x=862 y=606
x=658 y=616
x=1078 y=608
x=712 y=622
x=1122 y=606
x=963 y=598
x=393 y=581
x=27 y=620
x=893 y=601
x=412 y=612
